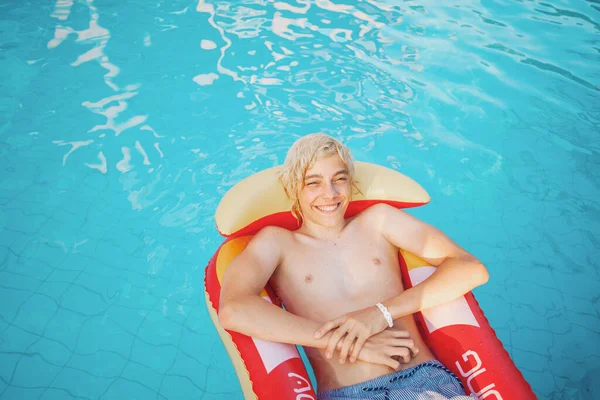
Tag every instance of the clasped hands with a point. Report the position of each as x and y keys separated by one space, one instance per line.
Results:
x=363 y=335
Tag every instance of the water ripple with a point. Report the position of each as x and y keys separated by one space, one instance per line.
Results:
x=552 y=68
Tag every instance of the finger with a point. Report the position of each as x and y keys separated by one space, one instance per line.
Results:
x=414 y=351
x=409 y=344
x=329 y=325
x=335 y=338
x=339 y=346
x=348 y=342
x=401 y=334
x=360 y=341
x=390 y=362
x=404 y=355
x=401 y=353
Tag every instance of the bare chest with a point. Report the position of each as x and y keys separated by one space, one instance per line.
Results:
x=326 y=280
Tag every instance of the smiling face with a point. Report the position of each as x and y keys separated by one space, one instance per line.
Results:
x=326 y=193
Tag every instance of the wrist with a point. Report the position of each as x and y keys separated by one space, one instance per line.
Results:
x=406 y=303
x=386 y=314
x=402 y=305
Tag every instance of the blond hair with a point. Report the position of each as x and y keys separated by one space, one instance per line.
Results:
x=303 y=154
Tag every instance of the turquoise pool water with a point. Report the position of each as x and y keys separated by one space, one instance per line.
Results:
x=122 y=125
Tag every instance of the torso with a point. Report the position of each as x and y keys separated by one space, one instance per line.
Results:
x=322 y=280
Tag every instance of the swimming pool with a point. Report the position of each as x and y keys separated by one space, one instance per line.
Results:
x=122 y=125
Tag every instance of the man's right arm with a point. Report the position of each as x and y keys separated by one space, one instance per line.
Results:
x=243 y=310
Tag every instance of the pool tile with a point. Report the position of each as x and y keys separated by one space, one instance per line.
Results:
x=33 y=268
x=21 y=221
x=189 y=368
x=143 y=374
x=535 y=319
x=138 y=297
x=81 y=300
x=101 y=333
x=75 y=260
x=158 y=330
x=176 y=387
x=10 y=360
x=12 y=300
x=583 y=285
x=59 y=275
x=55 y=393
x=4 y=250
x=533 y=340
x=54 y=290
x=51 y=351
x=81 y=383
x=43 y=249
x=159 y=358
x=65 y=327
x=45 y=372
x=129 y=319
x=22 y=393
x=103 y=287
x=101 y=363
x=36 y=312
x=216 y=390
x=18 y=281
x=99 y=268
x=196 y=346
x=67 y=221
x=134 y=390
x=18 y=241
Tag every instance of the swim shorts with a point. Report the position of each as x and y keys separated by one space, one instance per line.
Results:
x=427 y=381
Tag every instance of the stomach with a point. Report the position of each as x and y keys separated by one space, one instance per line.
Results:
x=330 y=374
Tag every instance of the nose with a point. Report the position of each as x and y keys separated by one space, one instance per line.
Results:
x=329 y=191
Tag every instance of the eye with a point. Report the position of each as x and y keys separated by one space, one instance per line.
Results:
x=311 y=183
x=342 y=179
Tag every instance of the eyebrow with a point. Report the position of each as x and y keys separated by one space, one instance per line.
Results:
x=342 y=171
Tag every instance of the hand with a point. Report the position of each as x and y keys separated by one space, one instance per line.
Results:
x=353 y=330
x=390 y=347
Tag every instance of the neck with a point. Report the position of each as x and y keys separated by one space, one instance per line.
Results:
x=322 y=232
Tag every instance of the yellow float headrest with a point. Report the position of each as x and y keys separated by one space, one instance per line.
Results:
x=260 y=200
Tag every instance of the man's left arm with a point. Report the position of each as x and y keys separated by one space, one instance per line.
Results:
x=457 y=273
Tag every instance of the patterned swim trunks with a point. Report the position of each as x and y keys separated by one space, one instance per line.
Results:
x=427 y=381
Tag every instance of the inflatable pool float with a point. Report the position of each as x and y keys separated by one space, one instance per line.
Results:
x=457 y=332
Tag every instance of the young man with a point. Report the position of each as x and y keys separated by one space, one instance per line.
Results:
x=340 y=283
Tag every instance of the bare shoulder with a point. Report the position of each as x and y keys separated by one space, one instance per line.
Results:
x=271 y=236
x=377 y=213
x=273 y=232
x=389 y=221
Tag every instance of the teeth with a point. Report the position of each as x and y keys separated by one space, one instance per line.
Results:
x=327 y=208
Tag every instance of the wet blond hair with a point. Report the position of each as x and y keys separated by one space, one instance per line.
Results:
x=303 y=154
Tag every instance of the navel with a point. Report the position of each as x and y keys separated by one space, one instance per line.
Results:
x=308 y=279
x=376 y=261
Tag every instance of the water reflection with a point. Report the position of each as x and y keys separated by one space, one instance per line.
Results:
x=112 y=107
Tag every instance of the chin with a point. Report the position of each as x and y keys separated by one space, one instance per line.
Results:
x=329 y=221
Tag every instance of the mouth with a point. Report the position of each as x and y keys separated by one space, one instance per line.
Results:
x=328 y=209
